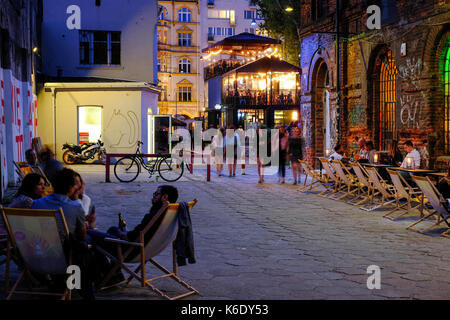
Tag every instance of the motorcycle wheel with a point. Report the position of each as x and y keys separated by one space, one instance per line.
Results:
x=69 y=157
x=102 y=158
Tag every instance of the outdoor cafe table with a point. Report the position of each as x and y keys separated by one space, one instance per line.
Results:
x=416 y=171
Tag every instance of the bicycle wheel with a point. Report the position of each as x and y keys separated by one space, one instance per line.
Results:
x=170 y=169
x=127 y=169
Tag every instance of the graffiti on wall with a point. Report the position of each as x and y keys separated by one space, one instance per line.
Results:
x=411 y=112
x=17 y=119
x=357 y=115
x=123 y=130
x=4 y=180
x=412 y=102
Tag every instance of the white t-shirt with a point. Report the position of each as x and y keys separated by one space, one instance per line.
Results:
x=415 y=155
x=85 y=203
x=335 y=156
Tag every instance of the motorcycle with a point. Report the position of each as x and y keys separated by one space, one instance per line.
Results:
x=84 y=152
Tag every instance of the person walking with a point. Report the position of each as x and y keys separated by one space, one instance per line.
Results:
x=295 y=152
x=218 y=149
x=232 y=145
x=260 y=143
x=283 y=148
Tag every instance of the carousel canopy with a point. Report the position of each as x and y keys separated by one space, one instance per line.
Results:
x=243 y=42
x=265 y=65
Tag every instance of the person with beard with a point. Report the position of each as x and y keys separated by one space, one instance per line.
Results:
x=163 y=195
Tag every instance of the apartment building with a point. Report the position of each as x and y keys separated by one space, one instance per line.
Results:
x=100 y=78
x=179 y=69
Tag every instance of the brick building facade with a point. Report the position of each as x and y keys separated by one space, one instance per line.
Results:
x=394 y=82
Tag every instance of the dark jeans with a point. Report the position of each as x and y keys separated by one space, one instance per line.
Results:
x=282 y=166
x=96 y=237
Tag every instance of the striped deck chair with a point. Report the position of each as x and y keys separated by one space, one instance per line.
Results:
x=165 y=224
x=363 y=178
x=5 y=250
x=332 y=178
x=403 y=191
x=386 y=190
x=36 y=236
x=345 y=177
x=316 y=179
x=436 y=200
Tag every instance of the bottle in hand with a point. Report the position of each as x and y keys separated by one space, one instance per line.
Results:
x=122 y=223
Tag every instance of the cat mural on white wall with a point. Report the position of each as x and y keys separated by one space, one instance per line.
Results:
x=122 y=131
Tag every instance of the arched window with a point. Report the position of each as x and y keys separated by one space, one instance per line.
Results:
x=163 y=14
x=184 y=66
x=447 y=96
x=384 y=99
x=184 y=15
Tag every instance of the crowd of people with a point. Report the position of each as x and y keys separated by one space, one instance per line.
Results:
x=290 y=150
x=79 y=214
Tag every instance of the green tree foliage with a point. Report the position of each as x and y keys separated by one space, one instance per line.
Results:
x=282 y=25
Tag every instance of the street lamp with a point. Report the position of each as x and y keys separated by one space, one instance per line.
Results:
x=253 y=23
x=289 y=9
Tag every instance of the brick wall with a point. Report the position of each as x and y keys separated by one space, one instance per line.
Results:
x=421 y=25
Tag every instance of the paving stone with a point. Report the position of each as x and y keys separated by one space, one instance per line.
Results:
x=272 y=242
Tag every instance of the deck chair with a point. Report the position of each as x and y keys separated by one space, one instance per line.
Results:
x=345 y=177
x=316 y=179
x=386 y=191
x=5 y=250
x=331 y=176
x=165 y=235
x=363 y=178
x=403 y=191
x=36 y=236
x=436 y=200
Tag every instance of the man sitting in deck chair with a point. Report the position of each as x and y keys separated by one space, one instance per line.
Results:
x=163 y=195
x=66 y=184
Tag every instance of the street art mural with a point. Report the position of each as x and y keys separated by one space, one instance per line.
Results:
x=122 y=130
x=17 y=119
x=412 y=101
x=3 y=176
x=357 y=115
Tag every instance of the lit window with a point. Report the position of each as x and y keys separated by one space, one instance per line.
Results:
x=387 y=99
x=184 y=39
x=447 y=95
x=184 y=66
x=184 y=15
x=184 y=94
x=89 y=123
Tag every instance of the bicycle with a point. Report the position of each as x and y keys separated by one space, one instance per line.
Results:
x=128 y=168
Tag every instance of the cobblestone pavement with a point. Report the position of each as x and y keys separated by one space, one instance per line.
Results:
x=270 y=241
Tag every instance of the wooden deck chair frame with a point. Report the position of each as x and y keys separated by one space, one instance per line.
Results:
x=316 y=179
x=6 y=251
x=36 y=169
x=6 y=212
x=436 y=200
x=347 y=179
x=385 y=190
x=403 y=191
x=363 y=177
x=120 y=260
x=331 y=176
